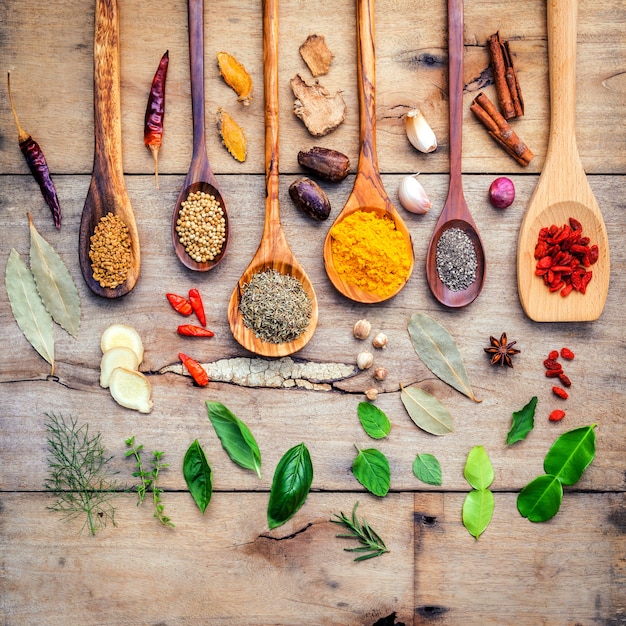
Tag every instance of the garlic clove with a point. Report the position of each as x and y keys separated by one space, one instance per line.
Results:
x=413 y=196
x=419 y=133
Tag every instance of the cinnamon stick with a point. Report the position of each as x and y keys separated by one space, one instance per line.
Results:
x=505 y=78
x=500 y=129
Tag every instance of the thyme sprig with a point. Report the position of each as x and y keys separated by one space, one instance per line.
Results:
x=370 y=540
x=148 y=479
x=79 y=474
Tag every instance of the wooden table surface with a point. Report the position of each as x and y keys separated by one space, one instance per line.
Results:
x=226 y=566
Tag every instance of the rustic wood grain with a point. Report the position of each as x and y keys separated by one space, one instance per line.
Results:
x=223 y=568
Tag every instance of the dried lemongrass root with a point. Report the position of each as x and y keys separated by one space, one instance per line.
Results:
x=232 y=135
x=320 y=110
x=122 y=335
x=235 y=76
x=316 y=54
x=116 y=357
x=131 y=390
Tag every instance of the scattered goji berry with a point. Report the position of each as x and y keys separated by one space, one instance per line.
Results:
x=551 y=364
x=554 y=355
x=565 y=379
x=557 y=415
x=560 y=392
x=566 y=353
x=553 y=373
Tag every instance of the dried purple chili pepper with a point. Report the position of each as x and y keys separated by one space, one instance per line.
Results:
x=37 y=164
x=155 y=112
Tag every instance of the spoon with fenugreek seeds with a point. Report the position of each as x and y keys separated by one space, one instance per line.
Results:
x=274 y=268
x=108 y=247
x=455 y=261
x=200 y=206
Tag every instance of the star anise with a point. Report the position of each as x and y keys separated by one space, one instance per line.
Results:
x=501 y=351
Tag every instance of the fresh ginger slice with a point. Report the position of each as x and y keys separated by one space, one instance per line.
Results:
x=131 y=390
x=122 y=335
x=119 y=356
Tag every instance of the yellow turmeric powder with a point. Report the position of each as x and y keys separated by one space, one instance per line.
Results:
x=369 y=253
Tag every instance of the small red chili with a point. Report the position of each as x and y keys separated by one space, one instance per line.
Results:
x=566 y=353
x=180 y=304
x=560 y=392
x=197 y=372
x=189 y=330
x=565 y=379
x=557 y=415
x=198 y=307
x=155 y=112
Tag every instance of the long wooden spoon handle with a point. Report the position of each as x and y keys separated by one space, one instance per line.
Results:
x=455 y=82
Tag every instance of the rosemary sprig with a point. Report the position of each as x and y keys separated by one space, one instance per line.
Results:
x=369 y=539
x=79 y=473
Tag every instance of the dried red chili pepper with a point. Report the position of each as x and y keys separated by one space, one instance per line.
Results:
x=198 y=307
x=557 y=415
x=37 y=164
x=189 y=330
x=560 y=392
x=566 y=353
x=180 y=304
x=155 y=112
x=197 y=372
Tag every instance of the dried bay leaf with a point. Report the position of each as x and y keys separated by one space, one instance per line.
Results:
x=438 y=350
x=426 y=411
x=28 y=309
x=54 y=283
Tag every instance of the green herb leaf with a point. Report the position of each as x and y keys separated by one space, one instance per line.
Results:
x=571 y=454
x=198 y=475
x=523 y=422
x=540 y=499
x=438 y=350
x=375 y=423
x=426 y=468
x=478 y=469
x=290 y=486
x=54 y=283
x=28 y=309
x=235 y=436
x=426 y=411
x=371 y=469
x=478 y=509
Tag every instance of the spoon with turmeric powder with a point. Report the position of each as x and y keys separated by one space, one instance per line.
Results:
x=200 y=206
x=380 y=263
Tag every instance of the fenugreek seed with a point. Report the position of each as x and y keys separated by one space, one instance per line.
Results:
x=109 y=251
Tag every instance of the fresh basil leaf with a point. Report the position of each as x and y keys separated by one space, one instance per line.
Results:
x=426 y=468
x=371 y=469
x=571 y=454
x=523 y=422
x=375 y=423
x=426 y=411
x=478 y=469
x=290 y=486
x=540 y=499
x=478 y=509
x=198 y=475
x=436 y=347
x=235 y=436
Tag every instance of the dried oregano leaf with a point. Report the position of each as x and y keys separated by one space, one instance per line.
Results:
x=54 y=283
x=28 y=309
x=426 y=411
x=436 y=347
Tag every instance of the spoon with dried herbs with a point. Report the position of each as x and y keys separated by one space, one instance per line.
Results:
x=273 y=308
x=200 y=207
x=455 y=261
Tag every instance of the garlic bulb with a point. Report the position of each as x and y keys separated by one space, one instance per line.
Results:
x=413 y=196
x=419 y=133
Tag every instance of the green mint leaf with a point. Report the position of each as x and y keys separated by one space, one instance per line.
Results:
x=375 y=423
x=523 y=422
x=371 y=469
x=426 y=468
x=198 y=475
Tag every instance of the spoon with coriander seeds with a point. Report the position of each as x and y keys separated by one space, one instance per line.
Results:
x=273 y=308
x=383 y=242
x=455 y=261
x=108 y=245
x=200 y=208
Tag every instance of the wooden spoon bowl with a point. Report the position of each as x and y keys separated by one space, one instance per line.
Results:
x=199 y=177
x=107 y=191
x=368 y=193
x=563 y=190
x=273 y=252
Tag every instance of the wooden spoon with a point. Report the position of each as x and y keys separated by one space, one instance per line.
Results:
x=563 y=190
x=107 y=191
x=456 y=213
x=368 y=193
x=199 y=177
x=273 y=251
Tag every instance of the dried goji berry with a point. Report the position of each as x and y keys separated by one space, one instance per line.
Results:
x=553 y=373
x=557 y=415
x=566 y=353
x=575 y=224
x=565 y=379
x=554 y=355
x=594 y=253
x=545 y=262
x=560 y=392
x=551 y=364
x=567 y=290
